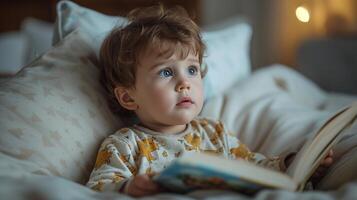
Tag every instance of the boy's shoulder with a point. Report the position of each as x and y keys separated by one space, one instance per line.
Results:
x=124 y=130
x=121 y=135
x=207 y=123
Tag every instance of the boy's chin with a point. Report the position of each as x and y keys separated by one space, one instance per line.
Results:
x=185 y=119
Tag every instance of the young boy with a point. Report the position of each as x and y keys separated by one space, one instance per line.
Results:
x=151 y=70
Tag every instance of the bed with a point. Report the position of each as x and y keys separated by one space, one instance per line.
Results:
x=53 y=115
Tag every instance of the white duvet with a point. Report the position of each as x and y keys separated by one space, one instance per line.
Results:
x=273 y=111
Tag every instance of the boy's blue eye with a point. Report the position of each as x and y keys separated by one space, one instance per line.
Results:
x=192 y=70
x=165 y=73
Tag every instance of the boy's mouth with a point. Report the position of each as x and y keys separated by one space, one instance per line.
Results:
x=185 y=101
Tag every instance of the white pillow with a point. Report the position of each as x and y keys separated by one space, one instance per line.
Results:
x=21 y=47
x=53 y=114
x=13 y=47
x=39 y=37
x=227 y=49
x=71 y=16
x=227 y=56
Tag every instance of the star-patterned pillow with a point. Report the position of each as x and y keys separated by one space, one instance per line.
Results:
x=53 y=113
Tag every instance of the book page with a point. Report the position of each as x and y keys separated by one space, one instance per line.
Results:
x=316 y=148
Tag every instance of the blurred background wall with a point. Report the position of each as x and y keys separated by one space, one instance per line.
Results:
x=278 y=34
x=277 y=31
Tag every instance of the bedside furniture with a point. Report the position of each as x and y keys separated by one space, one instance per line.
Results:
x=331 y=63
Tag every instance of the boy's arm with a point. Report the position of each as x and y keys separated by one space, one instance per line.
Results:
x=114 y=165
x=241 y=151
x=237 y=149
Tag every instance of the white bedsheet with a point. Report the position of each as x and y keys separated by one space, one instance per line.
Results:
x=273 y=111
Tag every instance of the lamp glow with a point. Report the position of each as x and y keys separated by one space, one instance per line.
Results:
x=302 y=14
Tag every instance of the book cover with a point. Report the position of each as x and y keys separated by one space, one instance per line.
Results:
x=183 y=178
x=196 y=171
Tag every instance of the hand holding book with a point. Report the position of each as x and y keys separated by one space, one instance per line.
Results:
x=320 y=171
x=141 y=185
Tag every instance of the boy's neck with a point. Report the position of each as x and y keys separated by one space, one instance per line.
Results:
x=169 y=129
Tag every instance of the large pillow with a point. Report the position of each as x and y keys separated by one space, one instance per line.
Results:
x=227 y=55
x=53 y=114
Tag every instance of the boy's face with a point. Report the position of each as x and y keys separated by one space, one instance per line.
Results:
x=168 y=91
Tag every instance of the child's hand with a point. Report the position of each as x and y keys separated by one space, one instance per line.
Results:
x=141 y=185
x=322 y=169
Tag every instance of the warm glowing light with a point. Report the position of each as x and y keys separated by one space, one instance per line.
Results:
x=302 y=14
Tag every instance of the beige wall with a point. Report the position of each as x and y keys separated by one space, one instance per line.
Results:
x=293 y=32
x=277 y=32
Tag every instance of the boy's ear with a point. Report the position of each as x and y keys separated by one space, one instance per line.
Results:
x=123 y=97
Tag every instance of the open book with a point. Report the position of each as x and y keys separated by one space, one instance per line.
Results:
x=203 y=171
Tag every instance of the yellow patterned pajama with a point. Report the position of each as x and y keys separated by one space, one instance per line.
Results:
x=138 y=150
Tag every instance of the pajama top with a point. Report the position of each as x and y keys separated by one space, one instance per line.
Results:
x=138 y=150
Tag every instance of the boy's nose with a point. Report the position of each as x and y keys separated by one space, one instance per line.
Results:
x=184 y=85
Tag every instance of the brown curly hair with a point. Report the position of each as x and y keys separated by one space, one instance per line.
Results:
x=148 y=28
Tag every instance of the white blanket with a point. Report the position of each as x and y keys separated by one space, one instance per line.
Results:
x=273 y=111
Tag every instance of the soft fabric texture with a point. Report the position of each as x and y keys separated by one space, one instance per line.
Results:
x=71 y=16
x=54 y=112
x=139 y=150
x=13 y=47
x=227 y=56
x=280 y=98
x=39 y=37
x=271 y=117
x=21 y=47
